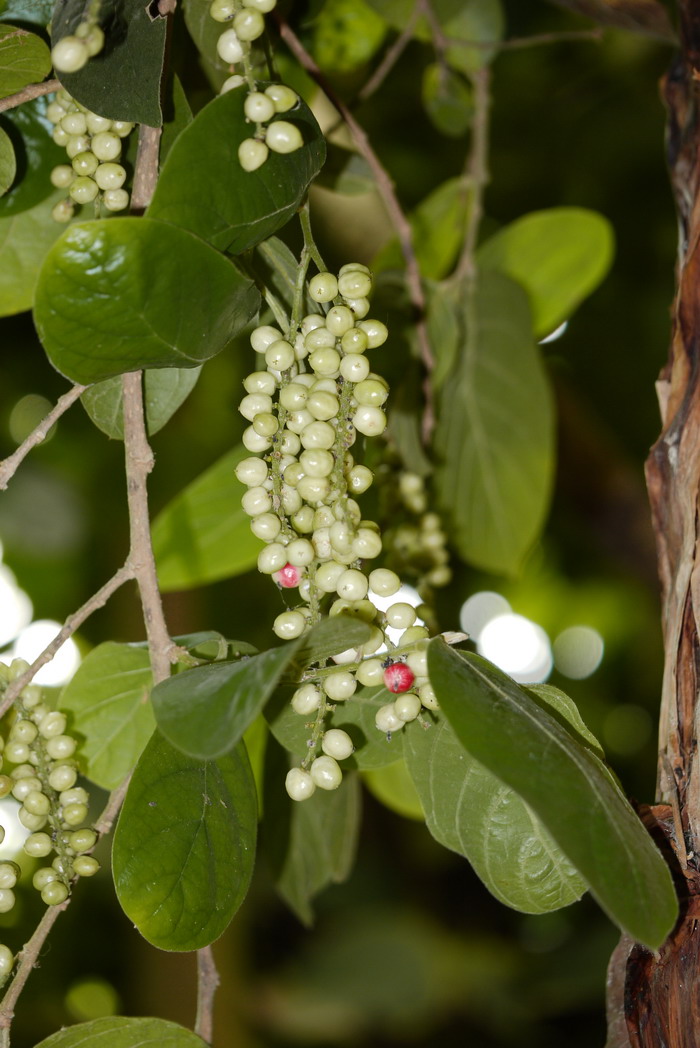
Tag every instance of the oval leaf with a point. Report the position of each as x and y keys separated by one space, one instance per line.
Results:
x=25 y=239
x=118 y=1031
x=108 y=697
x=8 y=162
x=240 y=208
x=559 y=256
x=203 y=534
x=494 y=434
x=165 y=389
x=24 y=59
x=566 y=786
x=470 y=811
x=131 y=293
x=184 y=846
x=394 y=787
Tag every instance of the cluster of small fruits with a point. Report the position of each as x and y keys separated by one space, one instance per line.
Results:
x=417 y=545
x=72 y=52
x=42 y=776
x=305 y=409
x=94 y=146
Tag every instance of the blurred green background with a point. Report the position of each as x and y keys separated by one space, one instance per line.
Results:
x=412 y=950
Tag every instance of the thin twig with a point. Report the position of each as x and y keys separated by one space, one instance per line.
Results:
x=386 y=191
x=391 y=57
x=8 y=467
x=72 y=623
x=28 y=958
x=28 y=93
x=207 y=983
x=477 y=172
x=109 y=813
x=146 y=167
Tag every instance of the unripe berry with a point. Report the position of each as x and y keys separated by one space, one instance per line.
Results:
x=85 y=865
x=318 y=434
x=253 y=441
x=262 y=337
x=263 y=6
x=37 y=803
x=377 y=333
x=249 y=25
x=85 y=163
x=92 y=36
x=266 y=527
x=327 y=575
x=370 y=392
x=289 y=624
x=82 y=840
x=283 y=96
x=325 y=361
x=413 y=634
x=271 y=559
x=266 y=424
x=400 y=616
x=115 y=199
x=370 y=673
x=83 y=190
x=24 y=786
x=252 y=472
x=369 y=420
x=63 y=211
x=352 y=585
x=325 y=773
x=252 y=154
x=323 y=287
x=354 y=367
x=354 y=284
x=69 y=55
x=24 y=731
x=313 y=489
x=229 y=47
x=9 y=872
x=106 y=145
x=299 y=784
x=321 y=404
x=54 y=893
x=339 y=685
x=336 y=743
x=367 y=544
x=359 y=306
x=426 y=694
x=43 y=876
x=339 y=320
x=280 y=355
x=306 y=699
x=96 y=123
x=30 y=821
x=74 y=814
x=300 y=552
x=222 y=10
x=60 y=746
x=38 y=845
x=398 y=677
x=77 y=144
x=418 y=661
x=283 y=137
x=407 y=707
x=387 y=720
x=354 y=341
x=7 y=961
x=7 y=900
x=74 y=123
x=359 y=479
x=256 y=501
x=231 y=82
x=62 y=176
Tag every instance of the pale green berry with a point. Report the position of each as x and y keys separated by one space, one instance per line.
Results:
x=258 y=107
x=339 y=685
x=38 y=845
x=283 y=137
x=63 y=211
x=60 y=746
x=55 y=112
x=291 y=500
x=306 y=699
x=92 y=36
x=7 y=900
x=354 y=341
x=85 y=865
x=24 y=786
x=313 y=489
x=76 y=795
x=352 y=585
x=271 y=559
x=263 y=336
x=426 y=694
x=317 y=462
x=359 y=479
x=318 y=434
x=384 y=582
x=319 y=338
x=350 y=267
x=249 y=25
x=43 y=876
x=323 y=287
x=222 y=10
x=266 y=527
x=7 y=961
x=280 y=355
x=17 y=752
x=24 y=731
x=23 y=771
x=261 y=381
x=289 y=443
x=266 y=424
x=97 y=123
x=54 y=893
x=231 y=82
x=69 y=55
x=263 y=6
x=370 y=393
x=417 y=660
x=303 y=520
x=387 y=720
x=62 y=176
x=370 y=672
x=5 y=785
x=377 y=333
x=354 y=284
x=229 y=47
x=9 y=873
x=407 y=706
x=106 y=145
x=73 y=814
x=82 y=840
x=298 y=420
x=359 y=306
x=30 y=821
x=37 y=803
x=85 y=163
x=369 y=421
x=83 y=190
x=31 y=696
x=289 y=624
x=115 y=199
x=54 y=723
x=60 y=137
x=299 y=784
x=413 y=634
x=300 y=552
x=252 y=154
x=252 y=472
x=326 y=773
x=122 y=127
x=400 y=616
x=283 y=97
x=337 y=743
x=253 y=441
x=325 y=361
x=74 y=123
x=293 y=396
x=327 y=575
x=311 y=322
x=354 y=367
x=321 y=404
x=339 y=320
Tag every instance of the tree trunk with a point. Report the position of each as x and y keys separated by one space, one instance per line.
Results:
x=655 y=1000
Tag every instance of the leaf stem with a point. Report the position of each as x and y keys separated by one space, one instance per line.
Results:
x=8 y=466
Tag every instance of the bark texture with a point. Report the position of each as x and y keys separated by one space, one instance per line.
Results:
x=654 y=1001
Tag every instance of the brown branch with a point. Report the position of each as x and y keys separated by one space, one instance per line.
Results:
x=391 y=57
x=28 y=93
x=207 y=984
x=386 y=191
x=8 y=467
x=146 y=167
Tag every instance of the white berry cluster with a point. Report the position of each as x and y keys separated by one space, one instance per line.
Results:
x=305 y=409
x=53 y=808
x=73 y=52
x=261 y=107
x=94 y=146
x=417 y=546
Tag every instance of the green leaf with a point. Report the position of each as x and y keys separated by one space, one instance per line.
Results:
x=203 y=534
x=355 y=716
x=132 y=293
x=565 y=785
x=177 y=115
x=471 y=812
x=559 y=256
x=447 y=99
x=239 y=208
x=118 y=1031
x=438 y=225
x=122 y=82
x=25 y=239
x=184 y=846
x=494 y=434
x=312 y=844
x=564 y=709
x=330 y=637
x=647 y=17
x=8 y=162
x=36 y=153
x=205 y=32
x=346 y=34
x=205 y=711
x=394 y=787
x=278 y=269
x=165 y=389
x=444 y=316
x=472 y=21
x=108 y=697
x=24 y=59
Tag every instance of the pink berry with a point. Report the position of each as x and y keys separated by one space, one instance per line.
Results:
x=288 y=577
x=398 y=677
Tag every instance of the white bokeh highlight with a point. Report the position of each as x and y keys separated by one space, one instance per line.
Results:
x=518 y=646
x=578 y=652
x=34 y=639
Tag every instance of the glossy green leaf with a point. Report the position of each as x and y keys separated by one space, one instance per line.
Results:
x=648 y=17
x=203 y=534
x=278 y=269
x=118 y=1031
x=25 y=239
x=463 y=23
x=445 y=328
x=311 y=845
x=184 y=846
x=206 y=710
x=177 y=114
x=394 y=788
x=564 y=784
x=108 y=698
x=562 y=707
x=330 y=637
x=165 y=389
x=494 y=435
x=355 y=716
x=240 y=208
x=123 y=81
x=346 y=34
x=473 y=813
x=24 y=59
x=447 y=99
x=559 y=256
x=205 y=32
x=29 y=130
x=438 y=225
x=132 y=293
x=8 y=163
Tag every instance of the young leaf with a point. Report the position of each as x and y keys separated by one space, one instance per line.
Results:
x=394 y=787
x=559 y=256
x=25 y=239
x=494 y=434
x=24 y=59
x=239 y=209
x=122 y=82
x=470 y=811
x=8 y=162
x=132 y=293
x=184 y=846
x=564 y=784
x=165 y=389
x=118 y=1031
x=311 y=844
x=203 y=534
x=438 y=225
x=108 y=697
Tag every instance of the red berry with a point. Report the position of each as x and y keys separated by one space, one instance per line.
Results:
x=288 y=577
x=398 y=677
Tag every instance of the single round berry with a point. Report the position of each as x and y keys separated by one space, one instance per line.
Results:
x=63 y=211
x=74 y=814
x=354 y=284
x=280 y=355
x=283 y=137
x=222 y=10
x=7 y=961
x=321 y=404
x=85 y=865
x=336 y=743
x=115 y=199
x=258 y=107
x=96 y=123
x=370 y=392
x=253 y=441
x=74 y=123
x=323 y=287
x=370 y=673
x=384 y=582
x=252 y=472
x=386 y=719
x=407 y=707
x=82 y=840
x=7 y=900
x=252 y=154
x=426 y=694
x=339 y=320
x=369 y=421
x=289 y=624
x=283 y=97
x=69 y=55
x=398 y=677
x=271 y=559
x=62 y=176
x=266 y=527
x=263 y=6
x=418 y=661
x=61 y=746
x=325 y=773
x=92 y=36
x=229 y=47
x=256 y=501
x=359 y=479
x=400 y=616
x=299 y=784
x=306 y=699
x=354 y=367
x=339 y=685
x=54 y=893
x=231 y=82
x=9 y=873
x=38 y=845
x=352 y=585
x=249 y=25
x=106 y=145
x=85 y=163
x=287 y=577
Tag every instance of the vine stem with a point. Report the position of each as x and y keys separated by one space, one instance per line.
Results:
x=8 y=467
x=385 y=188
x=28 y=93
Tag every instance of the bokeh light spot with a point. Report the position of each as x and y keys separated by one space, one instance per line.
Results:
x=32 y=641
x=479 y=609
x=518 y=646
x=578 y=652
